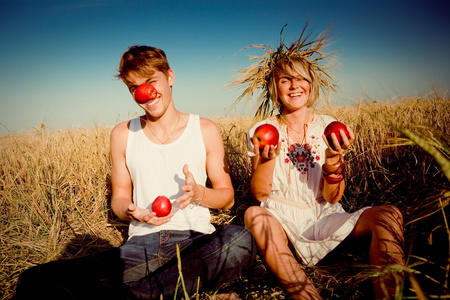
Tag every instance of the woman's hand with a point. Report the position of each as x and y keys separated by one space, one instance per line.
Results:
x=333 y=169
x=269 y=152
x=263 y=164
x=339 y=149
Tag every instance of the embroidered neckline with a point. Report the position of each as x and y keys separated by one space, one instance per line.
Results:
x=296 y=152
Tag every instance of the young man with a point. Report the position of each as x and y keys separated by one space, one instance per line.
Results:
x=165 y=152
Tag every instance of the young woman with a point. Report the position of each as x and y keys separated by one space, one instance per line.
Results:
x=300 y=181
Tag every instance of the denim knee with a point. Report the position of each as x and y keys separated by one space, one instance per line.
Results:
x=241 y=242
x=238 y=254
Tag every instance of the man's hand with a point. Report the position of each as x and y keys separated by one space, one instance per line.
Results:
x=192 y=190
x=145 y=215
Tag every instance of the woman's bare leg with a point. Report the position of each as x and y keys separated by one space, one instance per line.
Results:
x=385 y=224
x=273 y=245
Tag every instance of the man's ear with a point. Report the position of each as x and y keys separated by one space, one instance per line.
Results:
x=171 y=77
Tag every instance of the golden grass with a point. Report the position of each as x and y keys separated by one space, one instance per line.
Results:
x=55 y=190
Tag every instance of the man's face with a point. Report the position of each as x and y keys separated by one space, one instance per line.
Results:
x=158 y=106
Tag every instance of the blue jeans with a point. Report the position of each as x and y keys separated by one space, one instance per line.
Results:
x=145 y=267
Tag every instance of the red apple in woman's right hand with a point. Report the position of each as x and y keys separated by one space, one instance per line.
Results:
x=144 y=93
x=266 y=134
x=161 y=206
x=335 y=127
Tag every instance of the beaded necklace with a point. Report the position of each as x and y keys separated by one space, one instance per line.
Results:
x=296 y=144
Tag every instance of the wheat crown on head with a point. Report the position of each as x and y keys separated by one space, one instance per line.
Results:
x=258 y=75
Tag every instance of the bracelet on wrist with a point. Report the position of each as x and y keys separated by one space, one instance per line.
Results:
x=333 y=180
x=203 y=196
x=335 y=173
x=334 y=169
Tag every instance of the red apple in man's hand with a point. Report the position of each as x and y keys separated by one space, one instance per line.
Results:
x=266 y=134
x=144 y=93
x=161 y=206
x=335 y=127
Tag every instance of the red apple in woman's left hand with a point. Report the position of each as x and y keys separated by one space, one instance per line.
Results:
x=161 y=206
x=335 y=127
x=144 y=93
x=266 y=134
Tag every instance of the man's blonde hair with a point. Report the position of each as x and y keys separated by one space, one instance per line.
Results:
x=143 y=60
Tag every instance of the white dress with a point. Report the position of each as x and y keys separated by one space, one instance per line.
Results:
x=313 y=226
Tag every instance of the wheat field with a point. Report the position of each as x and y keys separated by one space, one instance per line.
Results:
x=55 y=189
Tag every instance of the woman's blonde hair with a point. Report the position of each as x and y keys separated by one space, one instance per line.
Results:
x=302 y=56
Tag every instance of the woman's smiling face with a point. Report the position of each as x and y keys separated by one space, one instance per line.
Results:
x=293 y=90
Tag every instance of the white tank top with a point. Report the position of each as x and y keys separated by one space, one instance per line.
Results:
x=158 y=170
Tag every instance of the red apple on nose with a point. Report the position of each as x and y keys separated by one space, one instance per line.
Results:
x=161 y=206
x=266 y=134
x=335 y=127
x=144 y=93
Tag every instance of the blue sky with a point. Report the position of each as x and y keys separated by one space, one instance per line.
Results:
x=58 y=58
